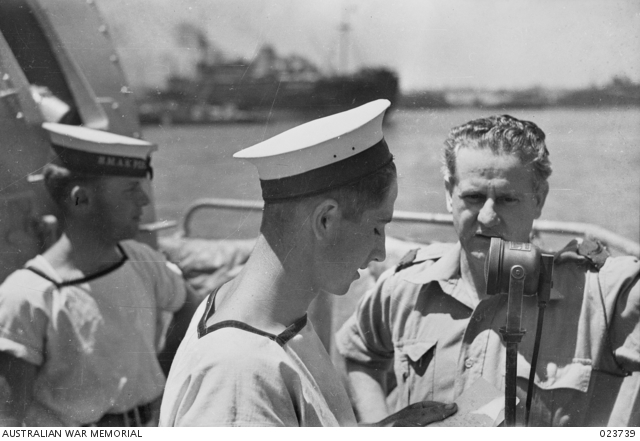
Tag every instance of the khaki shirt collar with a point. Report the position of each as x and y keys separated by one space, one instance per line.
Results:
x=446 y=271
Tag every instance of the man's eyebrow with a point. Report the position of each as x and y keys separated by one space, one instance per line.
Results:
x=507 y=192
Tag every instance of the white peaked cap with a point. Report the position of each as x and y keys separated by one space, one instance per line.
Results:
x=98 y=152
x=322 y=154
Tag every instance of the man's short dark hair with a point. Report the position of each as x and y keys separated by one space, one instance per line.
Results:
x=354 y=199
x=59 y=181
x=502 y=134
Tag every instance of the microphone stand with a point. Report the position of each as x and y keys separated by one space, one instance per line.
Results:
x=512 y=336
x=518 y=258
x=545 y=283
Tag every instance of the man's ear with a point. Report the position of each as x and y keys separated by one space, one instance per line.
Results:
x=541 y=197
x=80 y=197
x=325 y=219
x=448 y=193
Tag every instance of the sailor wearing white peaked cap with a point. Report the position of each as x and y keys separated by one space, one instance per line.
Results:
x=96 y=152
x=322 y=154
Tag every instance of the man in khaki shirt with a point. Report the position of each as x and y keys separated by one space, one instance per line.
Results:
x=432 y=322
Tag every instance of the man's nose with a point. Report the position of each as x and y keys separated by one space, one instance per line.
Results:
x=143 y=198
x=487 y=215
x=380 y=252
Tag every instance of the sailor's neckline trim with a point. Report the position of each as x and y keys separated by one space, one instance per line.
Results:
x=282 y=339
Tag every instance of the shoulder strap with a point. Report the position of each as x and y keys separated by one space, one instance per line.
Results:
x=432 y=251
x=587 y=251
x=594 y=251
x=407 y=260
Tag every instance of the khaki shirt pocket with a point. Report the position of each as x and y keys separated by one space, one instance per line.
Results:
x=560 y=390
x=414 y=370
x=554 y=374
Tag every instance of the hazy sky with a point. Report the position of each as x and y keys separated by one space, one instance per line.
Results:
x=430 y=43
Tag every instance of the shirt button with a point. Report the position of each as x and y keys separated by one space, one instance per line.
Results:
x=468 y=363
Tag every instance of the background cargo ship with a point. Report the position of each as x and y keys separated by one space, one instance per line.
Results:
x=267 y=86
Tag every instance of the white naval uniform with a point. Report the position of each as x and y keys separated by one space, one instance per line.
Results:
x=231 y=374
x=94 y=340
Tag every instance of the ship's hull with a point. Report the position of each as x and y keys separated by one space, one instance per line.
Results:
x=268 y=97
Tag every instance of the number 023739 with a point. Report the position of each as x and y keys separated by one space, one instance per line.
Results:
x=617 y=433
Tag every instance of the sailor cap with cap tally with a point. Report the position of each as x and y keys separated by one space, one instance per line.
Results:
x=322 y=154
x=95 y=152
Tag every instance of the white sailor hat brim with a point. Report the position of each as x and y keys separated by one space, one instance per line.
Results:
x=322 y=154
x=97 y=152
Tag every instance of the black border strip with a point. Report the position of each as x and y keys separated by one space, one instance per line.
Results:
x=88 y=278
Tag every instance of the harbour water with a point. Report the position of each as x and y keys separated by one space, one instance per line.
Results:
x=595 y=155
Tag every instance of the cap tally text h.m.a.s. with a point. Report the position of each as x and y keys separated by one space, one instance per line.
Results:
x=96 y=152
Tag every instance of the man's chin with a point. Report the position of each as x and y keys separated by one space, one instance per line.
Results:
x=340 y=288
x=335 y=291
x=478 y=255
x=129 y=234
x=480 y=239
x=479 y=247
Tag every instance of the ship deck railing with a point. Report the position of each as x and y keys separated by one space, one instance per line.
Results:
x=608 y=238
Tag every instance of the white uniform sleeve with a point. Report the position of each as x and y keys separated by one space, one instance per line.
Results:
x=23 y=316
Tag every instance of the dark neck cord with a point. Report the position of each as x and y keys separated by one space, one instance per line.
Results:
x=534 y=360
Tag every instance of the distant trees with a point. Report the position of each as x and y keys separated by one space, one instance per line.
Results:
x=620 y=91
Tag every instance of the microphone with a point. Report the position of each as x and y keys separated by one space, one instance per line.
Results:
x=518 y=269
x=507 y=257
